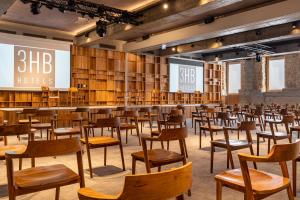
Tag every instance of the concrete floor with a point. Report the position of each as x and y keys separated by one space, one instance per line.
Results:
x=110 y=179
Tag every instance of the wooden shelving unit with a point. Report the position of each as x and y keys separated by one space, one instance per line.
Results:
x=107 y=77
x=213 y=82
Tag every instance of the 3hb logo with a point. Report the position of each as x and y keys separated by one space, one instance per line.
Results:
x=34 y=67
x=187 y=78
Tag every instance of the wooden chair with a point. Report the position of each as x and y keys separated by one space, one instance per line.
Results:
x=275 y=136
x=23 y=116
x=145 y=116
x=13 y=130
x=100 y=114
x=44 y=118
x=161 y=185
x=257 y=184
x=159 y=157
x=233 y=145
x=257 y=116
x=198 y=118
x=131 y=123
x=210 y=128
x=48 y=96
x=103 y=141
x=69 y=130
x=44 y=177
x=74 y=97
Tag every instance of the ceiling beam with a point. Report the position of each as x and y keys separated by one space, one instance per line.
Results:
x=264 y=35
x=4 y=5
x=156 y=19
x=274 y=14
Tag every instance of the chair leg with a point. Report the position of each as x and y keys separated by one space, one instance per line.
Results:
x=122 y=157
x=186 y=153
x=200 y=139
x=231 y=159
x=105 y=154
x=290 y=192
x=90 y=162
x=133 y=165
x=57 y=193
x=257 y=146
x=219 y=190
x=126 y=136
x=212 y=150
x=20 y=163
x=269 y=145
x=294 y=177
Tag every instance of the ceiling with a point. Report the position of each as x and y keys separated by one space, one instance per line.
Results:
x=70 y=22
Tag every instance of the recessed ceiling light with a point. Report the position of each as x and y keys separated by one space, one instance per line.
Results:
x=165 y=6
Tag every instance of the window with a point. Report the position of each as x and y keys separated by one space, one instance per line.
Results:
x=276 y=74
x=234 y=78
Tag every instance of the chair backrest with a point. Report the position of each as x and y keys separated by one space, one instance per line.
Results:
x=48 y=148
x=82 y=110
x=247 y=126
x=108 y=122
x=131 y=113
x=105 y=111
x=284 y=152
x=161 y=185
x=145 y=109
x=11 y=130
x=29 y=111
x=173 y=134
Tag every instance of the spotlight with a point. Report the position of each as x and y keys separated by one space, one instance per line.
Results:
x=294 y=25
x=61 y=9
x=35 y=8
x=174 y=49
x=100 y=29
x=165 y=6
x=163 y=46
x=71 y=3
x=87 y=35
x=209 y=19
x=258 y=32
x=258 y=57
x=146 y=37
x=217 y=58
x=25 y=1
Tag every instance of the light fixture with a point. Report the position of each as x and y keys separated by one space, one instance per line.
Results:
x=100 y=28
x=61 y=9
x=174 y=49
x=35 y=8
x=209 y=19
x=87 y=35
x=217 y=58
x=163 y=46
x=294 y=25
x=165 y=6
x=258 y=57
x=258 y=32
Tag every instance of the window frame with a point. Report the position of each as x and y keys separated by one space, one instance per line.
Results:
x=268 y=73
x=227 y=72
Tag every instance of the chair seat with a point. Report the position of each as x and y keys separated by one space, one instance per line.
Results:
x=159 y=156
x=127 y=126
x=262 y=182
x=66 y=131
x=45 y=177
x=235 y=144
x=87 y=192
x=276 y=121
x=41 y=125
x=295 y=128
x=26 y=121
x=213 y=128
x=268 y=134
x=143 y=119
x=155 y=133
x=18 y=149
x=101 y=141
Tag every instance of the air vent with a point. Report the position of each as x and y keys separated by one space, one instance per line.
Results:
x=107 y=46
x=62 y=39
x=7 y=31
x=34 y=35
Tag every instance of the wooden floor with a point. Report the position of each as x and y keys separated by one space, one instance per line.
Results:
x=110 y=179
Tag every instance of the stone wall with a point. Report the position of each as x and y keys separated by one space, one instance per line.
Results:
x=253 y=84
